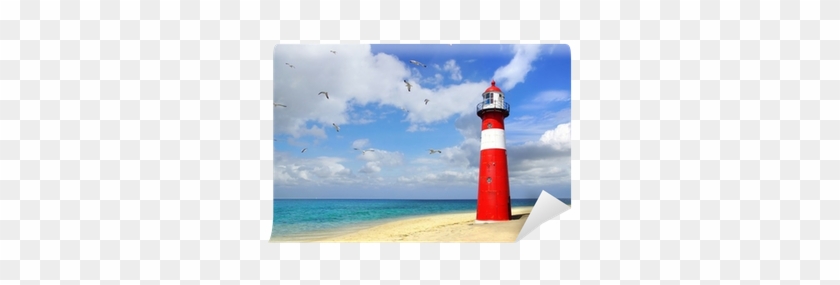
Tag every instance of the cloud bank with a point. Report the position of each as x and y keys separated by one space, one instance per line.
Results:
x=538 y=150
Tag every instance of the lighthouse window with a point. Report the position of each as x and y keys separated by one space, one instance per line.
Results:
x=489 y=125
x=489 y=179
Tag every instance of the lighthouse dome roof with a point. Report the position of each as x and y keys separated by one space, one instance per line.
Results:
x=493 y=87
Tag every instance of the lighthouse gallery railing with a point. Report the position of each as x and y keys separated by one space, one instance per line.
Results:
x=484 y=106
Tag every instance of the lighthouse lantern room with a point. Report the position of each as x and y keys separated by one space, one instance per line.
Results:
x=493 y=203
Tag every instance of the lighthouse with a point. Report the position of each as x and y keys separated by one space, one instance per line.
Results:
x=493 y=203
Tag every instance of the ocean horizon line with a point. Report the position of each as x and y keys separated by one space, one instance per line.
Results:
x=404 y=199
x=308 y=215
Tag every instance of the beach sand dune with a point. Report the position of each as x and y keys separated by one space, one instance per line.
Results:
x=457 y=227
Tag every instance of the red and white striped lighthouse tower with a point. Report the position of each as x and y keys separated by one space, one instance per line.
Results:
x=493 y=188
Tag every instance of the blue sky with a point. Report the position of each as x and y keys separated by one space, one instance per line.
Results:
x=366 y=100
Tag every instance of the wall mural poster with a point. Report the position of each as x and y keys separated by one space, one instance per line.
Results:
x=419 y=143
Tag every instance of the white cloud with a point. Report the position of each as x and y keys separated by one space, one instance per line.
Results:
x=538 y=148
x=384 y=157
x=552 y=96
x=378 y=158
x=545 y=161
x=542 y=163
x=437 y=79
x=289 y=170
x=354 y=76
x=544 y=101
x=559 y=137
x=514 y=73
x=453 y=69
x=360 y=143
x=417 y=128
x=449 y=177
x=521 y=129
x=370 y=167
x=361 y=117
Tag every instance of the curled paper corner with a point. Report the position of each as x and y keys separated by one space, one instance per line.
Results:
x=546 y=208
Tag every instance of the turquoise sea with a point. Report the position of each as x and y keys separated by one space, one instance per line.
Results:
x=307 y=218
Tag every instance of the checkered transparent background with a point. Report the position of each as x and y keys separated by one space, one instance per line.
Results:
x=135 y=142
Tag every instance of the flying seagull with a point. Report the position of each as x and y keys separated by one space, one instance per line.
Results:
x=336 y=127
x=408 y=85
x=404 y=110
x=278 y=104
x=332 y=51
x=431 y=151
x=417 y=63
x=325 y=93
x=304 y=149
x=427 y=101
x=292 y=66
x=363 y=150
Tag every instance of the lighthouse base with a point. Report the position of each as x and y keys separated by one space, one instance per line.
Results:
x=490 y=221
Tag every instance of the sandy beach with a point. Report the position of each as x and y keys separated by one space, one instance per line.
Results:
x=456 y=227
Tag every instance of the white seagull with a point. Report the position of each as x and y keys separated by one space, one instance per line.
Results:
x=417 y=63
x=427 y=101
x=363 y=150
x=408 y=85
x=279 y=105
x=431 y=151
x=336 y=127
x=292 y=66
x=325 y=94
x=304 y=149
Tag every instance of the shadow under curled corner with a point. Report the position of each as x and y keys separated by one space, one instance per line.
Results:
x=546 y=208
